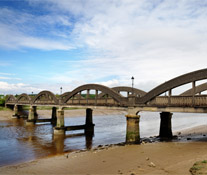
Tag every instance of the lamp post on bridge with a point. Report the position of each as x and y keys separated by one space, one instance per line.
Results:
x=61 y=90
x=132 y=85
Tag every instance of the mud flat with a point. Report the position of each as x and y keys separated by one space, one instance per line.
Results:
x=6 y=114
x=150 y=158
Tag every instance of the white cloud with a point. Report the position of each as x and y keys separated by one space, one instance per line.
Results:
x=153 y=41
x=4 y=78
x=18 y=88
x=3 y=73
x=8 y=76
x=14 y=40
x=19 y=29
x=110 y=83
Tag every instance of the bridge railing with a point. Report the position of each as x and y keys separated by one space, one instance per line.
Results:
x=96 y=102
x=104 y=101
x=179 y=101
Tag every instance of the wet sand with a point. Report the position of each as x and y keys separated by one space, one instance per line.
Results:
x=150 y=158
x=175 y=157
x=6 y=115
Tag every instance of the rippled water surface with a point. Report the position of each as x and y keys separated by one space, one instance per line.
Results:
x=19 y=143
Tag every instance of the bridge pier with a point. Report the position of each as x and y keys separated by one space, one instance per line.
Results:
x=60 y=127
x=165 y=125
x=54 y=116
x=132 y=130
x=16 y=111
x=89 y=126
x=32 y=115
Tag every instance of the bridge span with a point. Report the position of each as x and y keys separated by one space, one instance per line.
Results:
x=91 y=96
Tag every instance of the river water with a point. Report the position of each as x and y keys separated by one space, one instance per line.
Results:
x=20 y=143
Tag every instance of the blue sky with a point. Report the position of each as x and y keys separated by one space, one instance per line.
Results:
x=66 y=43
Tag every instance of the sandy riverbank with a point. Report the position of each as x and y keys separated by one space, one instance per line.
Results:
x=151 y=158
x=6 y=115
x=175 y=157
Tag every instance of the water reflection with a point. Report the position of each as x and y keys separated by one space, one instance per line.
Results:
x=19 y=142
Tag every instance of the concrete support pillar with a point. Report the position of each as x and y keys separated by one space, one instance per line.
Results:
x=35 y=112
x=165 y=125
x=32 y=115
x=89 y=116
x=132 y=130
x=60 y=127
x=96 y=97
x=16 y=112
x=88 y=93
x=89 y=130
x=194 y=91
x=89 y=141
x=79 y=97
x=59 y=143
x=54 y=116
x=169 y=96
x=131 y=100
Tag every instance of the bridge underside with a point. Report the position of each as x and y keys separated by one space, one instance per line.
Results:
x=171 y=109
x=73 y=106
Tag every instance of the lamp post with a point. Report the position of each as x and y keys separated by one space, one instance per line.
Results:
x=132 y=85
x=61 y=90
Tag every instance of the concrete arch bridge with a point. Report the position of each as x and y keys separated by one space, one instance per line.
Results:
x=92 y=96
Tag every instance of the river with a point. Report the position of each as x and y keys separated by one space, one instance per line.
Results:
x=21 y=143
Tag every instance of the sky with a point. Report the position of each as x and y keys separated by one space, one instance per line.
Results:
x=48 y=44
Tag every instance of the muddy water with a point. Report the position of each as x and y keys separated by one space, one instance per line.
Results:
x=20 y=143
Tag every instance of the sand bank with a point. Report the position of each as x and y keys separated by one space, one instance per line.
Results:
x=150 y=158
x=6 y=115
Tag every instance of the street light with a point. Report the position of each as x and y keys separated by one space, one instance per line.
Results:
x=61 y=90
x=132 y=85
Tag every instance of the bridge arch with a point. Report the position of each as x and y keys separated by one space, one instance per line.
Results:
x=62 y=96
x=173 y=83
x=137 y=92
x=200 y=88
x=112 y=93
x=24 y=98
x=11 y=98
x=45 y=97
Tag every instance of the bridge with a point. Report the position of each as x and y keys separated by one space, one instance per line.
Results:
x=92 y=96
